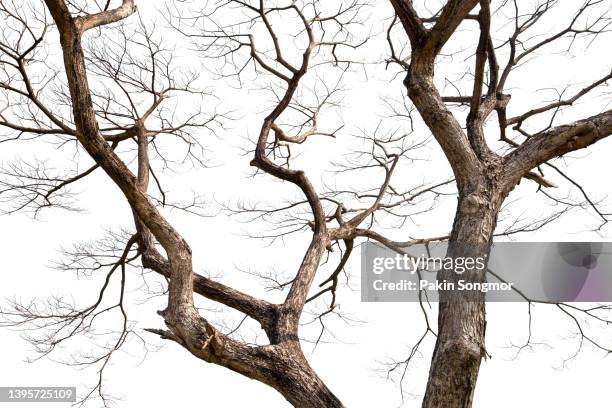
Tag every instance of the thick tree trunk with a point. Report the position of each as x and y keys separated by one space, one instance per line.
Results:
x=460 y=345
x=300 y=385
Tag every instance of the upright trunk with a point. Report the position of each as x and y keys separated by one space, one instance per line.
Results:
x=460 y=345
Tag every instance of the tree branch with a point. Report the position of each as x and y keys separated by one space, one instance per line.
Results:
x=556 y=142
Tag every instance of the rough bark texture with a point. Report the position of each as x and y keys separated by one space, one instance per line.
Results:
x=483 y=177
x=460 y=345
x=281 y=364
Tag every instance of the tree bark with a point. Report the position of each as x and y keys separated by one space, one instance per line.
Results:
x=460 y=345
x=281 y=364
x=300 y=385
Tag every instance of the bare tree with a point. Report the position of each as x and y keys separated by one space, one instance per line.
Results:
x=485 y=177
x=125 y=103
x=115 y=88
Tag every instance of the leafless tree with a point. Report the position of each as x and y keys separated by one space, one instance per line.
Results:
x=485 y=176
x=125 y=102
x=115 y=87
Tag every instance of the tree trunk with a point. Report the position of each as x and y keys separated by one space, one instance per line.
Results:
x=460 y=345
x=300 y=385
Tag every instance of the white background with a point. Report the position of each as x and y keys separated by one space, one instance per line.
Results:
x=353 y=362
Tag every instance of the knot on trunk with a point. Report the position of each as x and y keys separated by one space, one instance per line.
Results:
x=474 y=203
